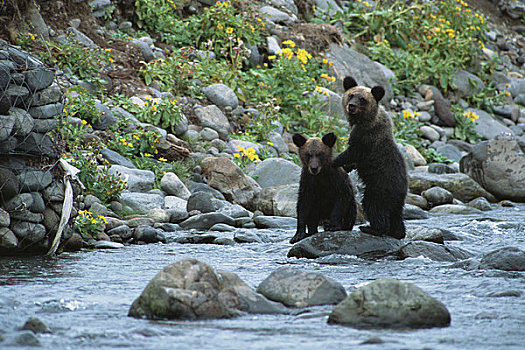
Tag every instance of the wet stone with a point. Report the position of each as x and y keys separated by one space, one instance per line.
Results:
x=4 y=218
x=207 y=220
x=26 y=215
x=506 y=259
x=8 y=239
x=39 y=78
x=412 y=212
x=28 y=231
x=263 y=221
x=47 y=111
x=122 y=231
x=432 y=251
x=43 y=126
x=36 y=326
x=148 y=234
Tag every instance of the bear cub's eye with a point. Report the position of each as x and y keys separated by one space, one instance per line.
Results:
x=362 y=100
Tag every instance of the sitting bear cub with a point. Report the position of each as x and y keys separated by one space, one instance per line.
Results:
x=325 y=192
x=372 y=150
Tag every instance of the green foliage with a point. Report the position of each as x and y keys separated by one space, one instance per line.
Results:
x=464 y=129
x=406 y=127
x=87 y=225
x=421 y=41
x=163 y=112
x=245 y=156
x=433 y=156
x=161 y=166
x=80 y=104
x=84 y=62
x=139 y=143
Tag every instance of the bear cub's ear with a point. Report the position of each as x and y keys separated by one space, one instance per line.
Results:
x=329 y=139
x=299 y=140
x=378 y=92
x=349 y=83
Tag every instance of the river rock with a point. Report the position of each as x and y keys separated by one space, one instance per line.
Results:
x=441 y=105
x=263 y=221
x=251 y=236
x=202 y=187
x=142 y=202
x=413 y=212
x=234 y=211
x=137 y=180
x=344 y=242
x=221 y=95
x=10 y=185
x=422 y=233
x=148 y=234
x=436 y=196
x=277 y=16
x=462 y=186
x=363 y=69
x=36 y=325
x=73 y=243
x=212 y=117
x=172 y=185
x=415 y=156
x=432 y=251
x=300 y=289
x=278 y=200
x=8 y=239
x=416 y=200
x=24 y=123
x=488 y=126
x=123 y=231
x=107 y=244
x=5 y=219
x=445 y=209
x=225 y=176
x=19 y=202
x=28 y=232
x=506 y=259
x=190 y=289
x=499 y=165
x=467 y=84
x=275 y=172
x=159 y=215
x=389 y=303
x=207 y=220
x=34 y=180
x=480 y=203
x=116 y=159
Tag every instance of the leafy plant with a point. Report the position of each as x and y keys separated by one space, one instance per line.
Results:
x=421 y=41
x=406 y=127
x=88 y=225
x=139 y=143
x=245 y=156
x=81 y=104
x=464 y=129
x=433 y=156
x=163 y=112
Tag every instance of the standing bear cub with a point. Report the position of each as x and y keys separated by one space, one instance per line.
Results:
x=379 y=163
x=325 y=192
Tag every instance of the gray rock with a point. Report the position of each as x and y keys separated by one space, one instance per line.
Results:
x=16 y=94
x=201 y=187
x=432 y=251
x=49 y=95
x=146 y=50
x=43 y=126
x=8 y=239
x=422 y=233
x=389 y=303
x=136 y=179
x=462 y=186
x=26 y=215
x=54 y=192
x=467 y=84
x=172 y=185
x=448 y=150
x=190 y=289
x=499 y=165
x=26 y=338
x=235 y=145
x=28 y=232
x=34 y=180
x=51 y=220
x=106 y=118
x=429 y=133
x=10 y=185
x=46 y=111
x=123 y=231
x=440 y=168
x=278 y=143
x=299 y=289
x=329 y=7
x=208 y=134
x=90 y=199
x=346 y=243
x=100 y=210
x=201 y=201
x=176 y=204
x=363 y=69
x=287 y=4
x=488 y=126
x=480 y=203
x=7 y=122
x=277 y=16
x=212 y=117
x=36 y=326
x=116 y=159
x=148 y=234
x=275 y=172
x=414 y=199
x=272 y=45
x=251 y=236
x=506 y=259
x=22 y=201
x=38 y=144
x=38 y=205
x=207 y=220
x=159 y=215
x=5 y=219
x=107 y=245
x=413 y=212
x=39 y=78
x=279 y=200
x=24 y=123
x=81 y=38
x=221 y=95
x=222 y=228
x=262 y=221
x=453 y=209
x=235 y=211
x=142 y=202
x=436 y=196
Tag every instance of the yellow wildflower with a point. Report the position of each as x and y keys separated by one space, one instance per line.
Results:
x=84 y=122
x=289 y=43
x=272 y=57
x=269 y=143
x=130 y=145
x=229 y=30
x=219 y=26
x=163 y=159
x=286 y=52
x=236 y=155
x=147 y=155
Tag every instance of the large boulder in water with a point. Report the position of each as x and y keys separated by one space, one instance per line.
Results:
x=297 y=288
x=390 y=303
x=346 y=243
x=190 y=289
x=507 y=259
x=499 y=166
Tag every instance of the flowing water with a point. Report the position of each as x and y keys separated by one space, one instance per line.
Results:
x=84 y=297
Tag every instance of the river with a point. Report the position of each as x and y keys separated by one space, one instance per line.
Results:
x=84 y=297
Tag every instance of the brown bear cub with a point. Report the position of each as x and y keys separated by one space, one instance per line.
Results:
x=325 y=192
x=372 y=150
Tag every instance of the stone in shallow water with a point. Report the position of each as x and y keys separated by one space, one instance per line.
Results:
x=190 y=289
x=432 y=251
x=297 y=288
x=389 y=303
x=506 y=259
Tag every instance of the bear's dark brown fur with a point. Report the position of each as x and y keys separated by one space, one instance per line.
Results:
x=325 y=192
x=372 y=150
